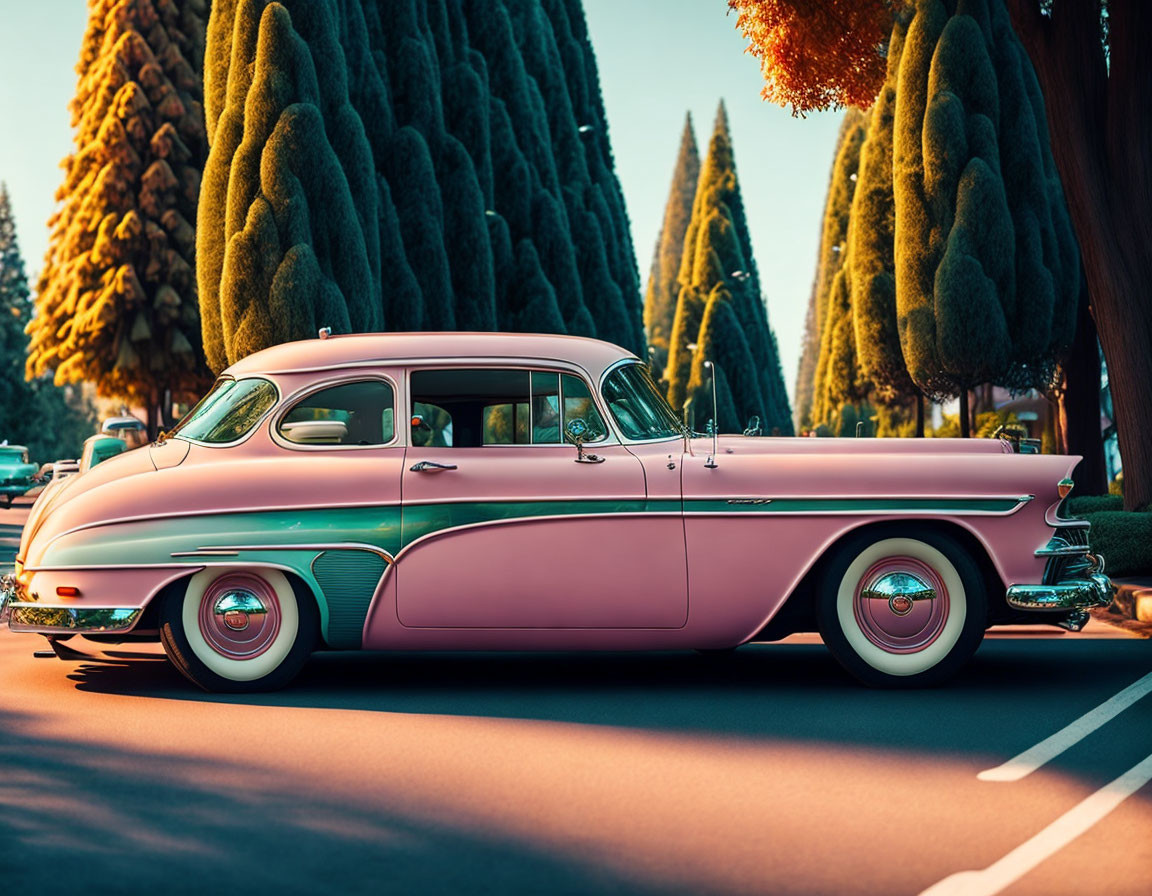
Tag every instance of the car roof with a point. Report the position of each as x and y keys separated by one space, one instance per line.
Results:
x=594 y=355
x=13 y=447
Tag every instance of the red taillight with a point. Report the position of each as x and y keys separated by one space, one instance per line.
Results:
x=1064 y=488
x=67 y=591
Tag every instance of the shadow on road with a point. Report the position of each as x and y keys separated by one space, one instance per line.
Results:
x=791 y=691
x=102 y=820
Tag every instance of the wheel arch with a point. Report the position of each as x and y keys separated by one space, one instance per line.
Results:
x=307 y=592
x=797 y=613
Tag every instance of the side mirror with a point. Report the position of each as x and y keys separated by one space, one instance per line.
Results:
x=577 y=432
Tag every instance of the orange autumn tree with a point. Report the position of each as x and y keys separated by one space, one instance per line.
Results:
x=116 y=301
x=818 y=54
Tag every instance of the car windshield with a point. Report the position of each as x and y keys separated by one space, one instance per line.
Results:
x=228 y=412
x=637 y=405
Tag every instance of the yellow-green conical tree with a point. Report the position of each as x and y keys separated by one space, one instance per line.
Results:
x=987 y=267
x=662 y=292
x=833 y=242
x=116 y=300
x=717 y=266
x=838 y=380
x=872 y=256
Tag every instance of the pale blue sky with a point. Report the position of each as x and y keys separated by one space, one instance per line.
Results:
x=657 y=60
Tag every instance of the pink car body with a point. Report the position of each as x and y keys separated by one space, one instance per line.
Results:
x=651 y=543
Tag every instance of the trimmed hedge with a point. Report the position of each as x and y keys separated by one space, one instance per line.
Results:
x=1123 y=538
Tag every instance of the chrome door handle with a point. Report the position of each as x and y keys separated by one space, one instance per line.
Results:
x=430 y=466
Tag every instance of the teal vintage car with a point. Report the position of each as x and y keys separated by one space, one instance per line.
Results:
x=16 y=475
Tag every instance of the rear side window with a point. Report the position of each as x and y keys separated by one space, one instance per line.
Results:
x=360 y=413
x=228 y=412
x=471 y=407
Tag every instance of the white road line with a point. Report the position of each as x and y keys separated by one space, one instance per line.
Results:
x=1048 y=749
x=1056 y=836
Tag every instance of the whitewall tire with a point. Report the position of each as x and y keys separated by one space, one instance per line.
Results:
x=902 y=609
x=238 y=629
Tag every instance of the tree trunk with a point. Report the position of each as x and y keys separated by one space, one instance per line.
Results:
x=965 y=423
x=1079 y=418
x=1097 y=119
x=153 y=410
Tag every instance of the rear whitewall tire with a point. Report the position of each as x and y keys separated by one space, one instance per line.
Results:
x=871 y=641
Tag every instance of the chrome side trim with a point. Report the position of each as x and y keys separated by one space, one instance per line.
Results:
x=335 y=546
x=203 y=553
x=48 y=619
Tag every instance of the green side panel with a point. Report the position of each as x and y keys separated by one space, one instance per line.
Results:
x=153 y=541
x=348 y=580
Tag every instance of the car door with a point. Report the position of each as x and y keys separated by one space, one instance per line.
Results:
x=507 y=524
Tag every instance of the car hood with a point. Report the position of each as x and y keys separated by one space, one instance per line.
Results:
x=83 y=497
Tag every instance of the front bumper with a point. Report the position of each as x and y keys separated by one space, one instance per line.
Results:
x=1080 y=594
x=47 y=619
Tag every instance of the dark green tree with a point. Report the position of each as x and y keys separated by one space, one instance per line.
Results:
x=718 y=253
x=437 y=154
x=49 y=420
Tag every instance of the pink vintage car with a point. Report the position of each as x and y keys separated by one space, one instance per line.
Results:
x=448 y=491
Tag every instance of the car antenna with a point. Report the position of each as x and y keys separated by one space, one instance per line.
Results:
x=711 y=462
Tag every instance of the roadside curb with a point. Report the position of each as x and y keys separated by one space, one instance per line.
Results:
x=1132 y=598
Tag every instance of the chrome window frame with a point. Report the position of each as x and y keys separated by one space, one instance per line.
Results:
x=610 y=437
x=289 y=403
x=624 y=362
x=255 y=426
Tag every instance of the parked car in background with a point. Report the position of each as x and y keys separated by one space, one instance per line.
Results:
x=17 y=475
x=132 y=432
x=117 y=435
x=463 y=491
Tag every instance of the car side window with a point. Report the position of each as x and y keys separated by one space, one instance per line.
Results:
x=578 y=404
x=358 y=413
x=472 y=407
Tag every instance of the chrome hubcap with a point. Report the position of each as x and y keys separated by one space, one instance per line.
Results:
x=901 y=605
x=239 y=616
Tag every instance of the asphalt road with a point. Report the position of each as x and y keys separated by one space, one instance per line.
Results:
x=765 y=771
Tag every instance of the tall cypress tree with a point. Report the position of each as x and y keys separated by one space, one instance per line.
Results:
x=838 y=379
x=986 y=268
x=717 y=266
x=660 y=298
x=828 y=313
x=116 y=300
x=872 y=253
x=449 y=138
